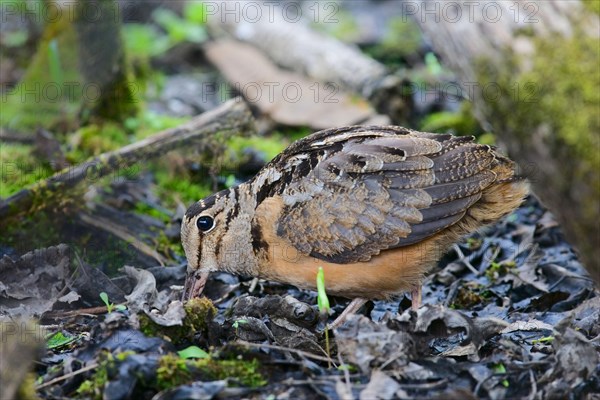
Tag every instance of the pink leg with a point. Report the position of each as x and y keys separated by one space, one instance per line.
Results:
x=352 y=308
x=416 y=297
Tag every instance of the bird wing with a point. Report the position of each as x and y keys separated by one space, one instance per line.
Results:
x=350 y=194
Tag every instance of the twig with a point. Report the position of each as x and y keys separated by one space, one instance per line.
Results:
x=67 y=376
x=82 y=311
x=288 y=349
x=533 y=383
x=452 y=291
x=464 y=260
x=253 y=285
x=229 y=118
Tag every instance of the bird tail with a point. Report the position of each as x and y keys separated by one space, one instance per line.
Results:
x=505 y=169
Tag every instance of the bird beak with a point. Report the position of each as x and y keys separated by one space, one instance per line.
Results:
x=194 y=284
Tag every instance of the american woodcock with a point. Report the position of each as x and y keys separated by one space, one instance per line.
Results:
x=375 y=206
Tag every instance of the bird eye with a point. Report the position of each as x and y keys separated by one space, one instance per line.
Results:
x=205 y=223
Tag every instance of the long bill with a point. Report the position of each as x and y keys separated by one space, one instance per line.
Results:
x=194 y=284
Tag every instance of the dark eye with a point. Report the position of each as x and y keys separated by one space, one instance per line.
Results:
x=205 y=223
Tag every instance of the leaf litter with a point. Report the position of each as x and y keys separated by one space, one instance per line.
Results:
x=523 y=322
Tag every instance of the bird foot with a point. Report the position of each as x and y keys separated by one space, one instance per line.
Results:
x=416 y=295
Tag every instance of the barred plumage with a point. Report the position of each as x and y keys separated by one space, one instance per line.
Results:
x=355 y=197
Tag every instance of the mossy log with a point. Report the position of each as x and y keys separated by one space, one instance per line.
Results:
x=230 y=118
x=531 y=70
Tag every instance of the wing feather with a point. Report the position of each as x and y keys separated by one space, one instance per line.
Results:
x=351 y=193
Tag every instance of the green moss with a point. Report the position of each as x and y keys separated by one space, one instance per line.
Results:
x=557 y=100
x=474 y=243
x=592 y=5
x=93 y=388
x=497 y=270
x=172 y=371
x=268 y=146
x=168 y=247
x=246 y=373
x=461 y=122
x=467 y=298
x=559 y=91
x=149 y=123
x=20 y=168
x=345 y=28
x=199 y=313
x=95 y=139
x=144 y=209
x=402 y=39
x=30 y=231
x=26 y=389
x=184 y=186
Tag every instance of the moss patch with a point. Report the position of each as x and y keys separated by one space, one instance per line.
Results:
x=19 y=168
x=26 y=390
x=466 y=298
x=461 y=122
x=199 y=313
x=95 y=139
x=497 y=270
x=174 y=371
x=592 y=5
x=93 y=388
x=391 y=51
x=559 y=91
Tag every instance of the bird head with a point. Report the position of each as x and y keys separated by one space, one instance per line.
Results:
x=215 y=233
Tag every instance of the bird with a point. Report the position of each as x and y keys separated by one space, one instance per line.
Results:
x=375 y=206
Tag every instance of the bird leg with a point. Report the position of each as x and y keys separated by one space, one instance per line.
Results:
x=351 y=309
x=415 y=296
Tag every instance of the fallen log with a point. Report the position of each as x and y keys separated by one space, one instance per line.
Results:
x=230 y=118
x=531 y=70
x=286 y=97
x=296 y=46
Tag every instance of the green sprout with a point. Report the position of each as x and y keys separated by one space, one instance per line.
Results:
x=501 y=369
x=323 y=304
x=237 y=324
x=110 y=306
x=322 y=299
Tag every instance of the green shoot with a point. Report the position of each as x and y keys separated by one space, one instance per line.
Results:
x=323 y=303
x=322 y=299
x=110 y=306
x=237 y=324
x=501 y=369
